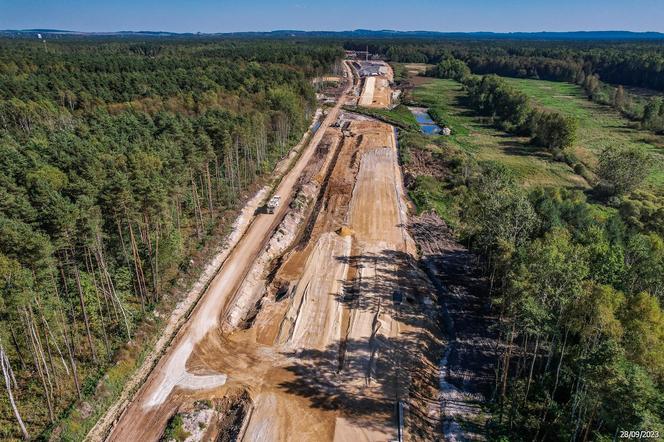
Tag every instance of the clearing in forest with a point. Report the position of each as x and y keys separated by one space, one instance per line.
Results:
x=599 y=126
x=320 y=324
x=473 y=134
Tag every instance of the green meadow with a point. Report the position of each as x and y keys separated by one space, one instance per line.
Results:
x=599 y=126
x=532 y=165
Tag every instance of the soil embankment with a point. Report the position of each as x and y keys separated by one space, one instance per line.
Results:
x=322 y=324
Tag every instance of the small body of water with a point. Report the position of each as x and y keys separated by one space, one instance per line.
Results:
x=427 y=125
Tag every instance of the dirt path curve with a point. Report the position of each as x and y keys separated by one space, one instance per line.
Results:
x=140 y=418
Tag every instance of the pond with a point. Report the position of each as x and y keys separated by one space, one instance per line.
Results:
x=427 y=125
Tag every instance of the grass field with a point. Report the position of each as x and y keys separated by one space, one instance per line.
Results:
x=599 y=126
x=400 y=116
x=531 y=165
x=403 y=71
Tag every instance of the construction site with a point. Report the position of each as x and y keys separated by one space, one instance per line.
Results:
x=319 y=324
x=376 y=79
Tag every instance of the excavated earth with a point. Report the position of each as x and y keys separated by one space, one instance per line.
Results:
x=338 y=332
x=467 y=368
x=334 y=330
x=376 y=91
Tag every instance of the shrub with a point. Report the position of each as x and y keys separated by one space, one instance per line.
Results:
x=553 y=129
x=175 y=430
x=622 y=170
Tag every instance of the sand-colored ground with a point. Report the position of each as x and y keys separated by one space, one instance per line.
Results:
x=376 y=90
x=331 y=78
x=339 y=335
x=340 y=315
x=382 y=96
x=367 y=96
x=321 y=280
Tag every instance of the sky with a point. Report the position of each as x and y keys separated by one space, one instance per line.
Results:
x=267 y=15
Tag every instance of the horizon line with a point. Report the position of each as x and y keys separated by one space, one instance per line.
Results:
x=577 y=31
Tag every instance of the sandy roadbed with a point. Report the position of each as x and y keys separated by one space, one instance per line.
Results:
x=345 y=355
x=376 y=91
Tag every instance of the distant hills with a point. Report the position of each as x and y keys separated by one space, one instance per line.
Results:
x=358 y=33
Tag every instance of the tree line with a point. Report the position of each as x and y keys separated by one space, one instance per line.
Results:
x=116 y=161
x=579 y=291
x=638 y=64
x=648 y=111
x=603 y=69
x=577 y=288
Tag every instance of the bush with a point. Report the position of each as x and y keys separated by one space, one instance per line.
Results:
x=622 y=170
x=653 y=114
x=644 y=211
x=553 y=129
x=429 y=194
x=580 y=169
x=492 y=96
x=175 y=430
x=450 y=68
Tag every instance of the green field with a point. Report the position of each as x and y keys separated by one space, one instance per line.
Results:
x=531 y=165
x=399 y=116
x=599 y=126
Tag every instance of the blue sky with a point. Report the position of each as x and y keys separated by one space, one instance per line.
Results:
x=263 y=15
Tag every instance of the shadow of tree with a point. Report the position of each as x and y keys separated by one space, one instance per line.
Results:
x=516 y=148
x=395 y=284
x=463 y=291
x=365 y=377
x=369 y=381
x=367 y=373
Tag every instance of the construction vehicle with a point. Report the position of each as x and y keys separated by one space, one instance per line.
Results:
x=272 y=204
